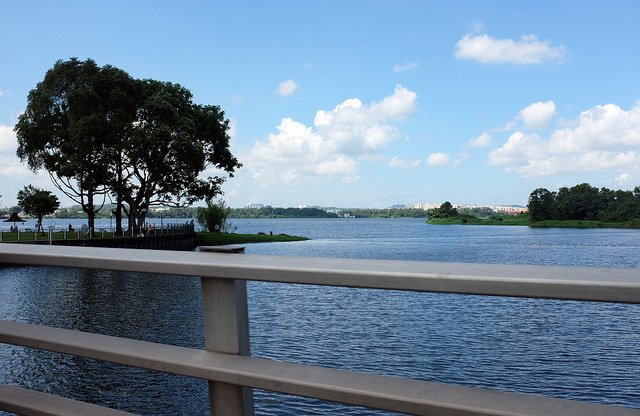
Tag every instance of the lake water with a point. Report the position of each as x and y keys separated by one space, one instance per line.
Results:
x=575 y=350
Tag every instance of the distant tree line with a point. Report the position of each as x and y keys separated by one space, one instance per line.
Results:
x=270 y=212
x=386 y=213
x=584 y=202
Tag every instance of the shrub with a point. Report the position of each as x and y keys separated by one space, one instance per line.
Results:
x=213 y=217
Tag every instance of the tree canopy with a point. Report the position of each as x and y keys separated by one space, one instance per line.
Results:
x=100 y=133
x=446 y=210
x=37 y=202
x=584 y=202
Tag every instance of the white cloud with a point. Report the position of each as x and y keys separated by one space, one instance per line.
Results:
x=604 y=138
x=537 y=115
x=624 y=179
x=287 y=88
x=527 y=50
x=349 y=133
x=481 y=141
x=13 y=174
x=534 y=117
x=406 y=67
x=10 y=165
x=438 y=159
x=398 y=162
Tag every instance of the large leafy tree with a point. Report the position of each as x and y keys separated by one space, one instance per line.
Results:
x=73 y=120
x=173 y=142
x=446 y=210
x=542 y=205
x=38 y=202
x=99 y=132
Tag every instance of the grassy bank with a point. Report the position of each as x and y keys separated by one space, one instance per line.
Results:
x=202 y=238
x=219 y=239
x=525 y=221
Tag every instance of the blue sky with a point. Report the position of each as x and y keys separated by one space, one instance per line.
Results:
x=365 y=103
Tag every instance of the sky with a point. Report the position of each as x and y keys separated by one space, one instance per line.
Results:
x=364 y=103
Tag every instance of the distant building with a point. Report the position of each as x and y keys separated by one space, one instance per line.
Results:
x=254 y=206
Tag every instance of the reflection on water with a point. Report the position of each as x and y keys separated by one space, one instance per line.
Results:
x=575 y=350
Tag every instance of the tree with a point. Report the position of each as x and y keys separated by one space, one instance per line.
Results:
x=213 y=217
x=37 y=202
x=541 y=205
x=585 y=202
x=446 y=210
x=173 y=142
x=73 y=119
x=98 y=132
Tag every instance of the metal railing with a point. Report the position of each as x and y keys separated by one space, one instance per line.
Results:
x=230 y=369
x=53 y=234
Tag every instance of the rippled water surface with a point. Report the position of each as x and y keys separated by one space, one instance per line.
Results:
x=576 y=350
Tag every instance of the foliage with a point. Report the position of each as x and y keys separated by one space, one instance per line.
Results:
x=270 y=212
x=72 y=120
x=216 y=239
x=213 y=217
x=520 y=219
x=478 y=212
x=445 y=210
x=144 y=143
x=37 y=202
x=584 y=203
x=173 y=142
x=386 y=213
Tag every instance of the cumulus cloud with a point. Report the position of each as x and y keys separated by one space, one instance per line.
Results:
x=489 y=50
x=603 y=138
x=406 y=67
x=9 y=163
x=533 y=117
x=537 y=115
x=624 y=179
x=481 y=141
x=438 y=159
x=287 y=88
x=341 y=137
x=401 y=163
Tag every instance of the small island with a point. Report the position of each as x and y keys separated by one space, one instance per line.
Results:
x=581 y=206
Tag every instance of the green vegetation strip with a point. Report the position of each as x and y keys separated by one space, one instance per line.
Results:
x=218 y=239
x=525 y=220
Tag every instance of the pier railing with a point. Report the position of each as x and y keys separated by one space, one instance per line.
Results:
x=226 y=360
x=53 y=234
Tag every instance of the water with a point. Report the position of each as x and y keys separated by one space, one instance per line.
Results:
x=575 y=350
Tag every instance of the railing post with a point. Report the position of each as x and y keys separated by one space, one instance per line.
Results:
x=226 y=329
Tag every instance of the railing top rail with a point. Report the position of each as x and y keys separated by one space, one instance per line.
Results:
x=554 y=282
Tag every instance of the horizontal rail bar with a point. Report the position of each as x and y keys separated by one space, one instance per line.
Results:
x=33 y=403
x=369 y=390
x=554 y=282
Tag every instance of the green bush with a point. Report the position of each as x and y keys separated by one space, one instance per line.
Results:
x=213 y=217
